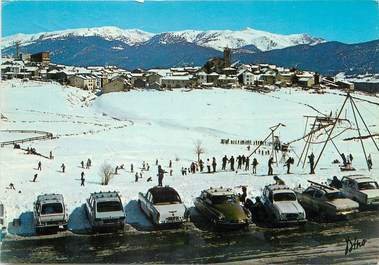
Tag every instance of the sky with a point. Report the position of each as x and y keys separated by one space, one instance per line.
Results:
x=350 y=21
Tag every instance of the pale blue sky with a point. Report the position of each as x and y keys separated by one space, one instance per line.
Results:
x=347 y=21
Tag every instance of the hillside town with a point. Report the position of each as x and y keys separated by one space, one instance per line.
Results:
x=217 y=72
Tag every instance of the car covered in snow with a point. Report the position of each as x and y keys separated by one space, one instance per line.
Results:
x=326 y=202
x=282 y=206
x=222 y=207
x=50 y=212
x=105 y=210
x=163 y=206
x=362 y=189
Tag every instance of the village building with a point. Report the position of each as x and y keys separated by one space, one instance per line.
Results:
x=84 y=81
x=118 y=84
x=176 y=81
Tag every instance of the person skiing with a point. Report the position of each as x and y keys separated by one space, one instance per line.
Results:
x=131 y=167
x=208 y=165
x=89 y=163
x=115 y=170
x=82 y=163
x=255 y=164
x=160 y=175
x=239 y=162
x=82 y=179
x=270 y=162
x=170 y=164
x=136 y=177
x=35 y=177
x=231 y=161
x=247 y=163
x=351 y=158
x=369 y=162
x=201 y=165
x=344 y=160
x=214 y=164
x=39 y=167
x=224 y=161
x=279 y=181
x=156 y=162
x=63 y=167
x=51 y=155
x=288 y=164
x=311 y=158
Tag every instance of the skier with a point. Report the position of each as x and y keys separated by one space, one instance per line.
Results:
x=35 y=177
x=344 y=159
x=201 y=165
x=131 y=167
x=89 y=163
x=82 y=179
x=115 y=170
x=209 y=165
x=369 y=162
x=351 y=158
x=247 y=163
x=170 y=164
x=279 y=181
x=288 y=164
x=311 y=158
x=39 y=166
x=170 y=172
x=136 y=177
x=156 y=162
x=270 y=162
x=231 y=161
x=160 y=175
x=63 y=167
x=214 y=164
x=51 y=155
x=82 y=163
x=255 y=163
x=224 y=161
x=239 y=162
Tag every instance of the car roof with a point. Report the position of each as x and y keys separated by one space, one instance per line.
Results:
x=105 y=196
x=50 y=198
x=158 y=190
x=359 y=178
x=219 y=191
x=278 y=188
x=324 y=189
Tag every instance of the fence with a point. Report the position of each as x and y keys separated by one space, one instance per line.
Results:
x=46 y=135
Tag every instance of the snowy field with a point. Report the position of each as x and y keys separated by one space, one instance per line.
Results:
x=125 y=128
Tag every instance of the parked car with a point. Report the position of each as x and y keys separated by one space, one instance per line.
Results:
x=163 y=206
x=50 y=212
x=105 y=210
x=282 y=206
x=221 y=206
x=326 y=202
x=362 y=189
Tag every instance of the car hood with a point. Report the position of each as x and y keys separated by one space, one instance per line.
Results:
x=169 y=210
x=371 y=193
x=343 y=204
x=288 y=207
x=231 y=211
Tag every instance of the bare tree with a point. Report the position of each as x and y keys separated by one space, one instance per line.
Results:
x=106 y=173
x=199 y=149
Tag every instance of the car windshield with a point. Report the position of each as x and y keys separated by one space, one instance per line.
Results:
x=334 y=195
x=111 y=206
x=371 y=185
x=223 y=199
x=284 y=196
x=166 y=197
x=51 y=208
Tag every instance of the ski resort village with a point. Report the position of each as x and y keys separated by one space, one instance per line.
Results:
x=255 y=160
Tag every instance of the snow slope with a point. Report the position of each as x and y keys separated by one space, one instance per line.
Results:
x=125 y=128
x=217 y=39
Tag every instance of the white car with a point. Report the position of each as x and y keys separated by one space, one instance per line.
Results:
x=362 y=189
x=105 y=210
x=163 y=206
x=50 y=212
x=282 y=206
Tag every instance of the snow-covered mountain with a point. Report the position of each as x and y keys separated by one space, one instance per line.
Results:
x=216 y=39
x=264 y=41
x=127 y=36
